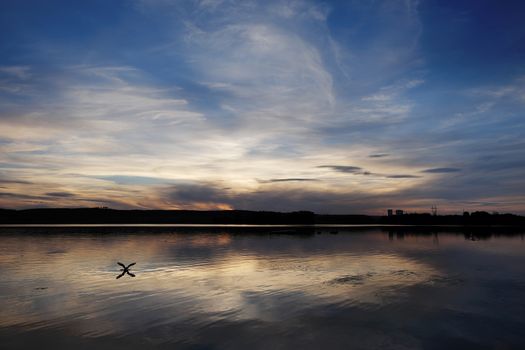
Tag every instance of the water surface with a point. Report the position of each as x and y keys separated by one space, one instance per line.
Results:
x=238 y=288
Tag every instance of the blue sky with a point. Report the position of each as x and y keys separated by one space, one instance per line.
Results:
x=331 y=106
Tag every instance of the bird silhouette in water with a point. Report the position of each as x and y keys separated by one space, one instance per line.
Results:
x=125 y=269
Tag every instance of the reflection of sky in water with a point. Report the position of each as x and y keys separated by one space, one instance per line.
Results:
x=195 y=286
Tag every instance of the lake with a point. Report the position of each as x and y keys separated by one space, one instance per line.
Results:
x=261 y=288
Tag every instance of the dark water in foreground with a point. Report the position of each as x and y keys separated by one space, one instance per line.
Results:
x=236 y=289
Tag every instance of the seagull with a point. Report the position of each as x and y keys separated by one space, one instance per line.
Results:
x=125 y=269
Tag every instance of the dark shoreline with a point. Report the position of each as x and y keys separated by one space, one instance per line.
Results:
x=105 y=216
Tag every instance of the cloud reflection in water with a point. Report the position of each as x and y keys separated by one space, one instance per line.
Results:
x=190 y=284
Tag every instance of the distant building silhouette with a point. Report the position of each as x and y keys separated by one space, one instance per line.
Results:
x=399 y=212
x=390 y=212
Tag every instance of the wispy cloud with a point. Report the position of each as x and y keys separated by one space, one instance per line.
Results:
x=344 y=168
x=60 y=194
x=402 y=176
x=18 y=72
x=254 y=104
x=379 y=155
x=441 y=170
x=291 y=179
x=360 y=171
x=8 y=182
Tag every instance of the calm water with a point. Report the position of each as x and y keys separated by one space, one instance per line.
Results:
x=233 y=288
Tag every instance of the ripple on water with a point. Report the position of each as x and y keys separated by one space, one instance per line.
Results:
x=190 y=285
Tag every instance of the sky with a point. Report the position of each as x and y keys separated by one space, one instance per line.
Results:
x=330 y=106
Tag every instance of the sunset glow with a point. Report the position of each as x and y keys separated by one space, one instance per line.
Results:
x=334 y=107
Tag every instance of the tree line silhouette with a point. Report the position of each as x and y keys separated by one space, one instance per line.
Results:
x=114 y=216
